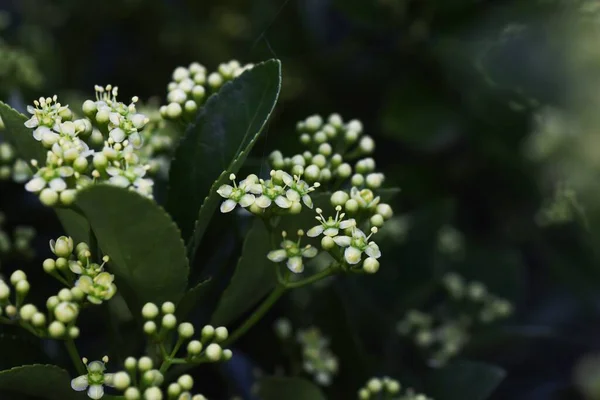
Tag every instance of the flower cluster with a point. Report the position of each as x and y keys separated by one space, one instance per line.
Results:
x=18 y=68
x=207 y=348
x=191 y=86
x=287 y=192
x=292 y=253
x=95 y=379
x=12 y=167
x=318 y=360
x=444 y=332
x=91 y=279
x=387 y=388
x=71 y=142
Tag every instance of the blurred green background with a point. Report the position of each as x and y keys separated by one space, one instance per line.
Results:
x=480 y=111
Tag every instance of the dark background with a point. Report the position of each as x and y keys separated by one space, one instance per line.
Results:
x=448 y=88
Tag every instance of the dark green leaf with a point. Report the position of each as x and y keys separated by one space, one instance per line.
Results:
x=74 y=224
x=19 y=350
x=146 y=251
x=192 y=298
x=217 y=145
x=463 y=379
x=20 y=136
x=253 y=278
x=44 y=381
x=272 y=388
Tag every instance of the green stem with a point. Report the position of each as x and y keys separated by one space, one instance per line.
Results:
x=74 y=354
x=311 y=279
x=257 y=315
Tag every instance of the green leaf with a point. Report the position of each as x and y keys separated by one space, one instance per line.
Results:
x=273 y=388
x=20 y=136
x=74 y=224
x=217 y=145
x=146 y=251
x=464 y=379
x=253 y=278
x=193 y=297
x=44 y=381
x=19 y=350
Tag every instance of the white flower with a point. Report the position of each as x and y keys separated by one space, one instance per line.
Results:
x=36 y=184
x=331 y=226
x=94 y=380
x=358 y=244
x=293 y=253
x=298 y=189
x=242 y=194
x=365 y=198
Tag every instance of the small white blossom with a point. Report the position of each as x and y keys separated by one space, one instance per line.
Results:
x=242 y=194
x=94 y=380
x=330 y=226
x=357 y=244
x=293 y=253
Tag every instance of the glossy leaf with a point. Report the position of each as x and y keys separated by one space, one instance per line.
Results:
x=20 y=350
x=217 y=144
x=43 y=381
x=273 y=388
x=74 y=224
x=253 y=278
x=146 y=251
x=463 y=379
x=193 y=298
x=20 y=136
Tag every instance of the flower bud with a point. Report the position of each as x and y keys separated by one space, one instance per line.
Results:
x=377 y=220
x=103 y=116
x=327 y=243
x=4 y=291
x=214 y=352
x=367 y=144
x=186 y=382
x=62 y=264
x=305 y=139
x=313 y=123
x=49 y=265
x=121 y=380
x=374 y=385
x=194 y=347
x=66 y=312
x=27 y=312
x=89 y=108
x=100 y=161
x=168 y=307
x=357 y=180
x=17 y=277
x=132 y=393
x=221 y=334
x=73 y=332
x=335 y=120
x=351 y=136
x=153 y=393
x=48 y=197
x=295 y=208
x=298 y=170
x=374 y=180
x=77 y=293
x=145 y=364
x=344 y=170
x=169 y=321
x=325 y=149
x=80 y=164
x=38 y=320
x=150 y=311
x=312 y=172
x=190 y=107
x=56 y=329
x=65 y=295
x=62 y=247
x=364 y=394
x=150 y=327
x=385 y=211
x=320 y=137
x=227 y=355
x=185 y=330
x=351 y=206
x=173 y=110
x=319 y=160
x=339 y=198
x=52 y=302
x=207 y=333
x=22 y=288
x=325 y=175
x=370 y=265
x=11 y=311
x=174 y=390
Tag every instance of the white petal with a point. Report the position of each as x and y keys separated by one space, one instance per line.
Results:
x=75 y=267
x=247 y=200
x=315 y=231
x=136 y=140
x=109 y=380
x=255 y=188
x=66 y=171
x=117 y=134
x=113 y=171
x=357 y=233
x=57 y=184
x=277 y=255
x=372 y=250
x=287 y=178
x=309 y=252
x=32 y=122
x=263 y=202
x=307 y=201
x=347 y=223
x=331 y=231
x=283 y=202
x=120 y=181
x=115 y=118
x=227 y=206
x=38 y=133
x=95 y=392
x=295 y=264
x=343 y=241
x=35 y=185
x=352 y=255
x=31 y=109
x=292 y=195
x=225 y=191
x=80 y=383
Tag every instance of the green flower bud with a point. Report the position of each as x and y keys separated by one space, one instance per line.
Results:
x=150 y=327
x=80 y=164
x=357 y=180
x=121 y=380
x=49 y=265
x=207 y=333
x=320 y=137
x=190 y=107
x=65 y=295
x=17 y=277
x=22 y=288
x=377 y=220
x=385 y=211
x=305 y=139
x=89 y=108
x=103 y=117
x=339 y=198
x=4 y=291
x=52 y=302
x=319 y=160
x=185 y=330
x=325 y=175
x=312 y=172
x=27 y=311
x=221 y=334
x=374 y=180
x=145 y=364
x=330 y=131
x=325 y=149
x=100 y=161
x=186 y=382
x=48 y=197
x=153 y=393
x=11 y=311
x=77 y=293
x=370 y=265
x=73 y=332
x=168 y=307
x=38 y=320
x=150 y=311
x=351 y=136
x=62 y=247
x=56 y=329
x=313 y=123
x=344 y=170
x=198 y=93
x=295 y=208
x=174 y=110
x=227 y=355
x=66 y=312
x=364 y=394
x=194 y=347
x=62 y=264
x=132 y=393
x=327 y=243
x=367 y=144
x=169 y=321
x=130 y=363
x=351 y=206
x=214 y=352
x=374 y=385
x=298 y=170
x=174 y=390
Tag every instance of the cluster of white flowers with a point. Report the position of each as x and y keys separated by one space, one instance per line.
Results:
x=207 y=348
x=111 y=127
x=12 y=167
x=443 y=333
x=259 y=196
x=388 y=389
x=191 y=86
